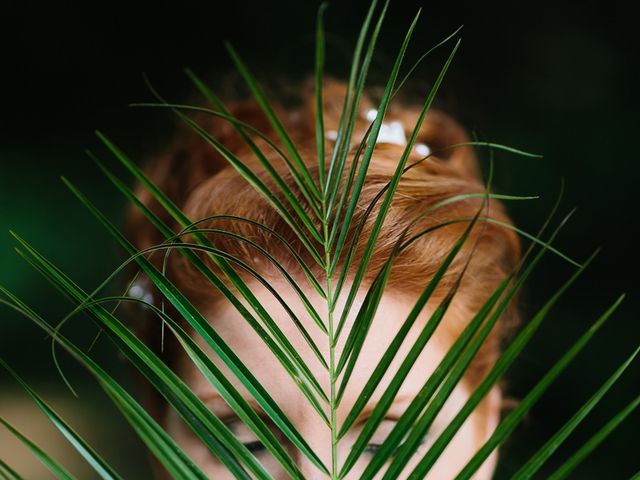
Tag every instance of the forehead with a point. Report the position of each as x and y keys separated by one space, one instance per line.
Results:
x=251 y=349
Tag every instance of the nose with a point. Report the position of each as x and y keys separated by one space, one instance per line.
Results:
x=320 y=442
x=310 y=471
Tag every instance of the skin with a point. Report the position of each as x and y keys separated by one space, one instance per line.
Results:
x=393 y=309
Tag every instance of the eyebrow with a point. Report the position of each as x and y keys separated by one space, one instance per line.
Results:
x=400 y=398
x=229 y=414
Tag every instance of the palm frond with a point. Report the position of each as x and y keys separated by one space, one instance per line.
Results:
x=58 y=470
x=88 y=454
x=322 y=218
x=540 y=457
x=595 y=440
x=163 y=447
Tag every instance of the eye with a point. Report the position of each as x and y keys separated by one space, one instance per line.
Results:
x=255 y=446
x=245 y=436
x=381 y=435
x=372 y=448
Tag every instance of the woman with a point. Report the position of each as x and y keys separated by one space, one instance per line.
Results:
x=203 y=184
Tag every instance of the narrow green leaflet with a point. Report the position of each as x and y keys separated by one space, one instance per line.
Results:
x=289 y=358
x=7 y=472
x=248 y=268
x=126 y=191
x=211 y=430
x=347 y=188
x=312 y=280
x=385 y=401
x=54 y=467
x=155 y=438
x=594 y=441
x=388 y=197
x=84 y=449
x=368 y=153
x=356 y=338
x=242 y=128
x=361 y=325
x=427 y=211
x=226 y=389
x=400 y=169
x=355 y=86
x=187 y=247
x=261 y=396
x=309 y=186
x=477 y=329
x=541 y=456
x=525 y=234
x=494 y=146
x=422 y=57
x=319 y=114
x=505 y=360
x=517 y=415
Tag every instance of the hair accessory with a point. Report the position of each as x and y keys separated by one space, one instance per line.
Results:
x=390 y=132
x=422 y=149
x=140 y=290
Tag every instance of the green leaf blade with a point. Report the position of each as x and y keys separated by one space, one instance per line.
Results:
x=102 y=468
x=54 y=467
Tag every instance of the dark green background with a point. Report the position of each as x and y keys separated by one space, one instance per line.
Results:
x=558 y=78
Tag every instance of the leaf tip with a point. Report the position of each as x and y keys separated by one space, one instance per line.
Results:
x=100 y=135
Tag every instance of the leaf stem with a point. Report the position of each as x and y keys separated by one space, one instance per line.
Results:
x=332 y=360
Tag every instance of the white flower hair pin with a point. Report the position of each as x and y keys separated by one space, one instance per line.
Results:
x=140 y=289
x=390 y=132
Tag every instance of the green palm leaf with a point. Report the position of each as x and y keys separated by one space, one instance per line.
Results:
x=594 y=441
x=496 y=372
x=7 y=472
x=516 y=416
x=283 y=349
x=214 y=434
x=58 y=470
x=538 y=459
x=157 y=440
x=85 y=450
x=321 y=217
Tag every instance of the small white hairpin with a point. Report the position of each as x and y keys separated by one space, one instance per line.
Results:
x=390 y=132
x=422 y=149
x=393 y=132
x=140 y=290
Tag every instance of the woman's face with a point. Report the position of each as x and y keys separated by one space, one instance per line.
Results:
x=393 y=309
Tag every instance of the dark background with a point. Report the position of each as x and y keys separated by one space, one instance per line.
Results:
x=553 y=77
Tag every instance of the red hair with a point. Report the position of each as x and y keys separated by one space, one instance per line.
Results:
x=202 y=184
